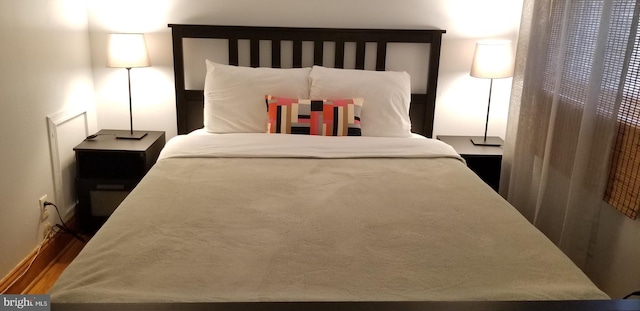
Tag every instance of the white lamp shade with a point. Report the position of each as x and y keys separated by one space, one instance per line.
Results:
x=493 y=59
x=127 y=51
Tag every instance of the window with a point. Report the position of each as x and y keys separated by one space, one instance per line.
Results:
x=606 y=77
x=623 y=187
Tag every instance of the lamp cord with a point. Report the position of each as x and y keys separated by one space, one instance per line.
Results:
x=64 y=226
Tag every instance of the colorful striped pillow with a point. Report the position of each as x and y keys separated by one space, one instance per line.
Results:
x=326 y=117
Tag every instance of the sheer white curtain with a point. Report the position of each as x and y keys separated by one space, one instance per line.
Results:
x=570 y=62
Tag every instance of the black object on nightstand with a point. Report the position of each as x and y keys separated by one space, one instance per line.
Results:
x=485 y=161
x=107 y=169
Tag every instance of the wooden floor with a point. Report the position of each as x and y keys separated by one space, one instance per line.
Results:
x=50 y=274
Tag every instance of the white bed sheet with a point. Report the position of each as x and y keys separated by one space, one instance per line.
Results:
x=199 y=144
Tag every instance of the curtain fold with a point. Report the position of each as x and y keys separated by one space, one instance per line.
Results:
x=562 y=116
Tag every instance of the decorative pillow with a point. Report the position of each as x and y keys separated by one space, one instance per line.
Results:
x=234 y=96
x=339 y=117
x=387 y=94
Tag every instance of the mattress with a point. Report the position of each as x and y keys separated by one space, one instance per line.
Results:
x=258 y=217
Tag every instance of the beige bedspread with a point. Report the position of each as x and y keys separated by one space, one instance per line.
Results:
x=287 y=229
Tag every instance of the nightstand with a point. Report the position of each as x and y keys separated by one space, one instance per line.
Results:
x=485 y=161
x=107 y=169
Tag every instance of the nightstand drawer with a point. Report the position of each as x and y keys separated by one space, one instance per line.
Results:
x=485 y=161
x=97 y=199
x=487 y=168
x=110 y=164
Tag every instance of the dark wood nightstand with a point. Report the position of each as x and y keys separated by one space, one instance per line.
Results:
x=485 y=161
x=107 y=169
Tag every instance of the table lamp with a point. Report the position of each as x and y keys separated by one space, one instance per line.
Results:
x=493 y=59
x=128 y=51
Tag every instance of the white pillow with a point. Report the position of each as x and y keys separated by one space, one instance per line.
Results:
x=387 y=94
x=234 y=96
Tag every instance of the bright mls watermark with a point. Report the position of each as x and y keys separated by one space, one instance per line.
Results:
x=25 y=302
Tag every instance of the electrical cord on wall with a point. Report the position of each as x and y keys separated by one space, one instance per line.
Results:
x=632 y=294
x=49 y=235
x=46 y=238
x=64 y=226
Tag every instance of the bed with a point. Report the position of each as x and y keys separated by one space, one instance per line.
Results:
x=273 y=207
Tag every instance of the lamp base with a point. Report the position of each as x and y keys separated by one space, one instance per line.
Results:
x=128 y=135
x=490 y=141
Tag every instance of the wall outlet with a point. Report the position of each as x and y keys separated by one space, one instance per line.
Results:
x=44 y=213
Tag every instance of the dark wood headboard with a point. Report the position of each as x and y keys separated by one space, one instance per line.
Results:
x=189 y=103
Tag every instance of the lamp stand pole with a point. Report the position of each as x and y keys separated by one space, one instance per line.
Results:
x=487 y=141
x=131 y=134
x=131 y=106
x=486 y=124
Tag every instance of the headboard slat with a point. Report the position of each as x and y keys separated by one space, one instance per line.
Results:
x=233 y=51
x=276 y=57
x=381 y=56
x=254 y=53
x=318 y=53
x=360 y=54
x=297 y=54
x=189 y=103
x=339 y=55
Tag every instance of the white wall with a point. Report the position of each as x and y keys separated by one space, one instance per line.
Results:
x=462 y=100
x=44 y=69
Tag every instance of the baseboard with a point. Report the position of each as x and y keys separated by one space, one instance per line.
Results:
x=49 y=252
